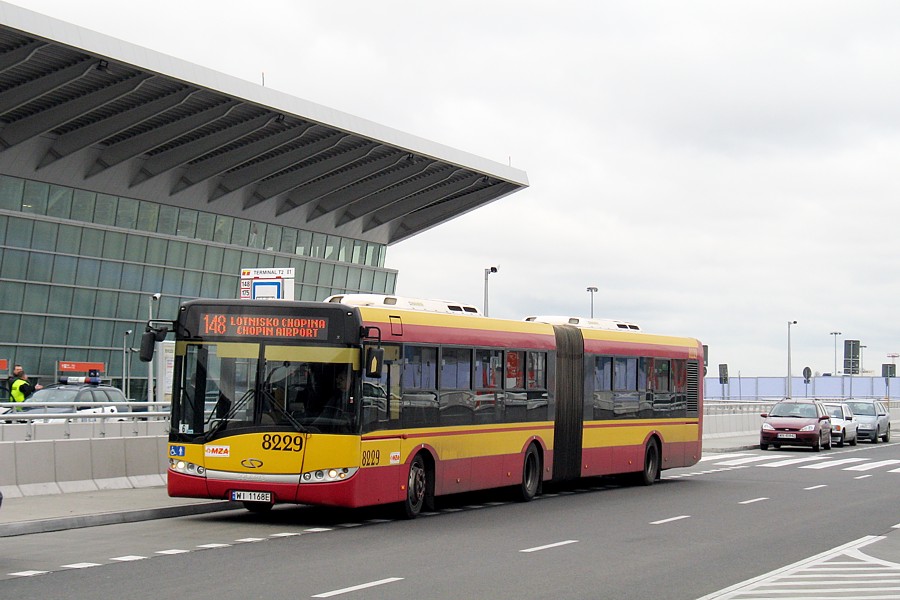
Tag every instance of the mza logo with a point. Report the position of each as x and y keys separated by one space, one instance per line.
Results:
x=223 y=451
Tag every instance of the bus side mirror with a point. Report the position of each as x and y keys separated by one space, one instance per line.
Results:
x=374 y=360
x=148 y=342
x=148 y=345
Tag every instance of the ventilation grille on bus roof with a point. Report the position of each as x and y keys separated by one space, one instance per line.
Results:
x=586 y=322
x=440 y=306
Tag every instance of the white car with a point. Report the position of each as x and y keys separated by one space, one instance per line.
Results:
x=844 y=426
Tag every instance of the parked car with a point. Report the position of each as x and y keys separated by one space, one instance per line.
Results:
x=843 y=425
x=796 y=423
x=101 y=394
x=873 y=420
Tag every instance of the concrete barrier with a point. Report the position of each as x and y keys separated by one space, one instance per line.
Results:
x=39 y=467
x=725 y=419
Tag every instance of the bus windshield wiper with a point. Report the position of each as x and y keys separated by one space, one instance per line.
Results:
x=219 y=423
x=214 y=411
x=279 y=409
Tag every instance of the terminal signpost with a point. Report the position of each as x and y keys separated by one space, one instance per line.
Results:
x=267 y=284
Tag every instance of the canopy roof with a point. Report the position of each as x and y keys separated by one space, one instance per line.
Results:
x=86 y=110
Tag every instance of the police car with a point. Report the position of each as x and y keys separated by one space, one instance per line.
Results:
x=75 y=389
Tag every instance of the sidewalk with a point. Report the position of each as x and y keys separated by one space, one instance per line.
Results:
x=730 y=443
x=57 y=512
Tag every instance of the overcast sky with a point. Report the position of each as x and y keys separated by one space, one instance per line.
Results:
x=714 y=168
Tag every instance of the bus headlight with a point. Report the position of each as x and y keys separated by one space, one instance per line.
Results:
x=188 y=468
x=328 y=475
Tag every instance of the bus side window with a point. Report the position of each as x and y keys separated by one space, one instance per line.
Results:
x=601 y=385
x=418 y=400
x=662 y=386
x=381 y=394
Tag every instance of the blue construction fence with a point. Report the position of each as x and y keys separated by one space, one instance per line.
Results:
x=763 y=388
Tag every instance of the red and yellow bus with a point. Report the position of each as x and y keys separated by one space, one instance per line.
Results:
x=365 y=400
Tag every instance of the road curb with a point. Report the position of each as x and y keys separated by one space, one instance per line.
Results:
x=113 y=518
x=737 y=448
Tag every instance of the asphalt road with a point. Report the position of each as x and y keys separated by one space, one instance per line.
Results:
x=731 y=518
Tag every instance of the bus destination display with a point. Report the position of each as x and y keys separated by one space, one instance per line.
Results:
x=249 y=325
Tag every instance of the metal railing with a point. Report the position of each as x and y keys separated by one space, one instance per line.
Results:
x=78 y=420
x=24 y=410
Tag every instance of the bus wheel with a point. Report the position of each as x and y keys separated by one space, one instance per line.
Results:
x=258 y=508
x=416 y=488
x=531 y=475
x=651 y=464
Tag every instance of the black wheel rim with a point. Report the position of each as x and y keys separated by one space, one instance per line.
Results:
x=416 y=487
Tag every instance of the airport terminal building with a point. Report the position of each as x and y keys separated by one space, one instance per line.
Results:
x=127 y=174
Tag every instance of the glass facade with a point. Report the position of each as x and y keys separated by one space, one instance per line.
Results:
x=78 y=269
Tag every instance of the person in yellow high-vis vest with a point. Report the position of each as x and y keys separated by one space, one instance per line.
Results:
x=21 y=388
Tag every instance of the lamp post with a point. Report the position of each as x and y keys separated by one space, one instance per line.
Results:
x=887 y=380
x=125 y=362
x=788 y=382
x=592 y=289
x=153 y=298
x=835 y=334
x=487 y=272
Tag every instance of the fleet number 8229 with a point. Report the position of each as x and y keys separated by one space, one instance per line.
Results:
x=283 y=443
x=371 y=458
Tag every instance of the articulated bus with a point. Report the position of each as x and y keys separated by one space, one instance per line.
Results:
x=363 y=400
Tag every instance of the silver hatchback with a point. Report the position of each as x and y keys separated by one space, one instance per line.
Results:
x=872 y=419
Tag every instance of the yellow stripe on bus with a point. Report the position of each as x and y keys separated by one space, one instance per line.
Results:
x=618 y=433
x=411 y=317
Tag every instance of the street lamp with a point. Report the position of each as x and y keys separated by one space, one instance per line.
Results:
x=592 y=289
x=788 y=382
x=125 y=363
x=835 y=334
x=153 y=298
x=487 y=272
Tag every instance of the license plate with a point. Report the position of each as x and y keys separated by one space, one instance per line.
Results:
x=251 y=496
x=787 y=436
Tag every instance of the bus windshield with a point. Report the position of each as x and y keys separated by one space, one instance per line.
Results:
x=224 y=387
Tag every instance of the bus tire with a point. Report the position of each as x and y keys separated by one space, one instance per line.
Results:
x=651 y=470
x=417 y=486
x=531 y=475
